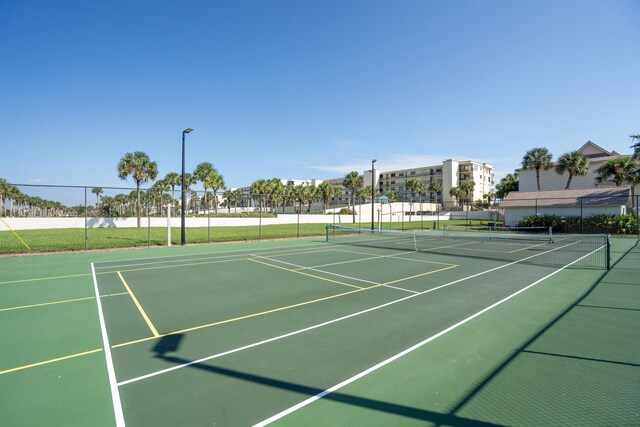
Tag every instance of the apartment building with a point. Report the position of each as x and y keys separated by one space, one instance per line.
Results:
x=450 y=174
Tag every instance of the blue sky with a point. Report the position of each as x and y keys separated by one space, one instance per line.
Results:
x=309 y=89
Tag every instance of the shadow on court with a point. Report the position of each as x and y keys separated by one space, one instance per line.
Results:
x=587 y=336
x=459 y=415
x=307 y=391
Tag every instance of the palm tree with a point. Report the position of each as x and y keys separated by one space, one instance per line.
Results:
x=364 y=193
x=202 y=172
x=325 y=191
x=97 y=191
x=537 y=158
x=413 y=186
x=231 y=198
x=392 y=196
x=617 y=170
x=298 y=193
x=12 y=192
x=466 y=188
x=157 y=190
x=173 y=179
x=4 y=191
x=573 y=162
x=277 y=192
x=435 y=187
x=511 y=182
x=215 y=182
x=141 y=169
x=636 y=146
x=489 y=197
x=258 y=188
x=457 y=193
x=353 y=182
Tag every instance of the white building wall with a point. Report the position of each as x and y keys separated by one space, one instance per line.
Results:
x=550 y=180
x=449 y=180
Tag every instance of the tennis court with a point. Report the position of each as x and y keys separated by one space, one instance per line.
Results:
x=365 y=329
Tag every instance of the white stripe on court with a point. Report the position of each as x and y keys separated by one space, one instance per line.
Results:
x=115 y=393
x=302 y=267
x=238 y=252
x=329 y=322
x=408 y=350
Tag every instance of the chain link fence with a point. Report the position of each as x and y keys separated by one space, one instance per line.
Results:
x=616 y=212
x=44 y=218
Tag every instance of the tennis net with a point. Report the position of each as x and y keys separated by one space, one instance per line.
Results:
x=584 y=250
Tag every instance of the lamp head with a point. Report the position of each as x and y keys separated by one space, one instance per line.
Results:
x=187 y=130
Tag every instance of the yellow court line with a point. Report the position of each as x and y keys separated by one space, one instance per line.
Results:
x=140 y=309
x=307 y=274
x=45 y=362
x=279 y=254
x=44 y=278
x=16 y=234
x=217 y=261
x=59 y=302
x=421 y=274
x=248 y=316
x=178 y=265
x=195 y=328
x=46 y=303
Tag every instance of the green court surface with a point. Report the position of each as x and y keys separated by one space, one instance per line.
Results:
x=308 y=332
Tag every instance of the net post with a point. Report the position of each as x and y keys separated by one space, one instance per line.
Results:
x=326 y=232
x=608 y=252
x=444 y=230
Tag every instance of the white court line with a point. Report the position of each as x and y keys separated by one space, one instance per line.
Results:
x=329 y=322
x=237 y=252
x=407 y=351
x=302 y=267
x=115 y=393
x=370 y=257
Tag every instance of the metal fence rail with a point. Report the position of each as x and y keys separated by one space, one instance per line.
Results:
x=43 y=218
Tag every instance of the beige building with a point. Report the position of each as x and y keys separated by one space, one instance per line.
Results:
x=550 y=180
x=450 y=174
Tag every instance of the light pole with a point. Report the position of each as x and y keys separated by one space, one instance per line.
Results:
x=373 y=192
x=184 y=195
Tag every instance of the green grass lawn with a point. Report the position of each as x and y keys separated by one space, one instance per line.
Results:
x=73 y=239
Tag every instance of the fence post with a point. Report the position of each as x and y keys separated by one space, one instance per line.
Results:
x=466 y=216
x=86 y=224
x=581 y=220
x=209 y=218
x=260 y=216
x=148 y=219
x=421 y=212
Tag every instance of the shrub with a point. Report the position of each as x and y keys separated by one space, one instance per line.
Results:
x=597 y=223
